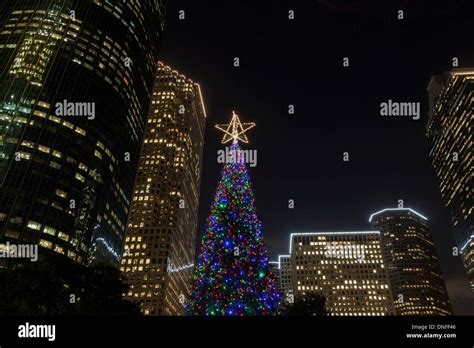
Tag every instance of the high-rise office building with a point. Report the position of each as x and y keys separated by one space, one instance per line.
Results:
x=413 y=268
x=286 y=284
x=75 y=86
x=346 y=267
x=162 y=227
x=449 y=133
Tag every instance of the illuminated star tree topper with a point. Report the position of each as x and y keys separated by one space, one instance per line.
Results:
x=235 y=130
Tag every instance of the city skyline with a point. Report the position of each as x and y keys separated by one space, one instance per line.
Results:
x=403 y=247
x=297 y=168
x=300 y=155
x=114 y=160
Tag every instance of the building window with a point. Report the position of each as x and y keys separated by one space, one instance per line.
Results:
x=34 y=225
x=49 y=230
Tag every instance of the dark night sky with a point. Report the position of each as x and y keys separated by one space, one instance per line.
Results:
x=337 y=109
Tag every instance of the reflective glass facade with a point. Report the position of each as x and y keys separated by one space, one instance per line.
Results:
x=75 y=84
x=450 y=137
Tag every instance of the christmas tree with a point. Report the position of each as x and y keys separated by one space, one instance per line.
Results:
x=232 y=275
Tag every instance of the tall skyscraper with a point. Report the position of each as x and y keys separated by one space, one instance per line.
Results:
x=162 y=227
x=74 y=90
x=415 y=275
x=346 y=267
x=449 y=133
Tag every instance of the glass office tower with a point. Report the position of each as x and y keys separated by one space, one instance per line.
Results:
x=75 y=84
x=449 y=133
